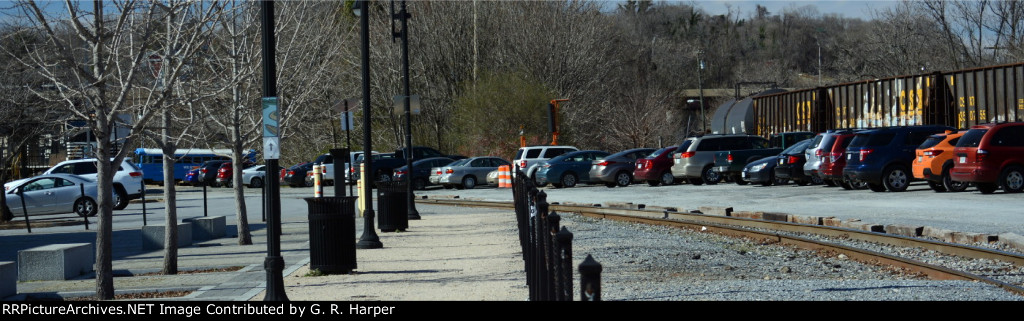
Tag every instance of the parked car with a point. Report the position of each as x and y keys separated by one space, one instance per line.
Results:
x=730 y=163
x=468 y=174
x=436 y=172
x=617 y=169
x=762 y=172
x=192 y=177
x=224 y=174
x=935 y=159
x=382 y=174
x=295 y=176
x=127 y=180
x=656 y=168
x=568 y=169
x=492 y=178
x=818 y=151
x=791 y=164
x=421 y=171
x=882 y=157
x=694 y=159
x=254 y=176
x=832 y=163
x=991 y=156
x=52 y=194
x=529 y=158
x=208 y=172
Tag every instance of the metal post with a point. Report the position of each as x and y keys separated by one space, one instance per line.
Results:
x=24 y=209
x=144 y=203
x=564 y=238
x=590 y=280
x=81 y=187
x=204 y=199
x=404 y=16
x=369 y=239
x=274 y=263
x=700 y=86
x=554 y=262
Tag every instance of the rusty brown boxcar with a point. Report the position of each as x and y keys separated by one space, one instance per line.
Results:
x=958 y=99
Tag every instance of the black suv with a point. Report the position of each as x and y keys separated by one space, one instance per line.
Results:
x=882 y=157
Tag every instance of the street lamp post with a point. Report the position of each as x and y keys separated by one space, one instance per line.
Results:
x=404 y=16
x=274 y=263
x=700 y=87
x=369 y=239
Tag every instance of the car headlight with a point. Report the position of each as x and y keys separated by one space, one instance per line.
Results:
x=758 y=167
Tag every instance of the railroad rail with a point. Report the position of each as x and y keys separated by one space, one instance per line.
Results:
x=742 y=227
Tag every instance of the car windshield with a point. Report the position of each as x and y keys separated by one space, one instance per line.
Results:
x=657 y=153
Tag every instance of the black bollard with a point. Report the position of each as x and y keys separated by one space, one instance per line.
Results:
x=590 y=280
x=554 y=259
x=86 y=217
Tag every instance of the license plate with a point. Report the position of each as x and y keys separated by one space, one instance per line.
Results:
x=593 y=167
x=963 y=159
x=743 y=174
x=849 y=156
x=782 y=161
x=641 y=166
x=920 y=159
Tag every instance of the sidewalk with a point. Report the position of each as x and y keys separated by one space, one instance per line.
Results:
x=451 y=254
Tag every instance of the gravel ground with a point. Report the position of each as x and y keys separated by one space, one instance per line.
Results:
x=643 y=262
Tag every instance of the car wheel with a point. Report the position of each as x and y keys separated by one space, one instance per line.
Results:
x=653 y=183
x=858 y=185
x=623 y=179
x=667 y=178
x=710 y=176
x=950 y=184
x=937 y=186
x=383 y=177
x=987 y=188
x=536 y=183
x=120 y=199
x=256 y=182
x=769 y=181
x=1012 y=179
x=817 y=180
x=876 y=187
x=844 y=184
x=895 y=179
x=419 y=184
x=569 y=179
x=85 y=207
x=468 y=182
x=307 y=183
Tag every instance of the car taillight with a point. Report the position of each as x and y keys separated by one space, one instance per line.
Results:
x=729 y=158
x=397 y=172
x=688 y=154
x=932 y=152
x=449 y=171
x=980 y=155
x=202 y=171
x=291 y=173
x=352 y=170
x=522 y=164
x=819 y=153
x=864 y=153
x=835 y=156
x=792 y=160
x=605 y=163
x=438 y=172
x=135 y=174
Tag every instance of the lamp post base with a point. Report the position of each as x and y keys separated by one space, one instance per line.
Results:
x=274 y=265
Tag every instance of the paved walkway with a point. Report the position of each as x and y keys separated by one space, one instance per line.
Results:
x=451 y=254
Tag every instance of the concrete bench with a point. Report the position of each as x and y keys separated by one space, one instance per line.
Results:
x=153 y=236
x=207 y=228
x=8 y=279
x=55 y=261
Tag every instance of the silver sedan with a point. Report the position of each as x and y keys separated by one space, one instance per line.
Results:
x=467 y=174
x=52 y=194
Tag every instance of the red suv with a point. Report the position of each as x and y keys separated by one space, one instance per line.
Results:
x=224 y=174
x=991 y=156
x=656 y=168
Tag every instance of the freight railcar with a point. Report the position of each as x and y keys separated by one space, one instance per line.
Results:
x=958 y=99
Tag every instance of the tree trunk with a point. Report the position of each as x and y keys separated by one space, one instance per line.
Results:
x=236 y=178
x=170 y=202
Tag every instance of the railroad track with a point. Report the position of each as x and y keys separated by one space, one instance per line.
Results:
x=781 y=232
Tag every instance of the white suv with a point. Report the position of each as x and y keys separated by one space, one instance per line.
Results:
x=127 y=181
x=528 y=158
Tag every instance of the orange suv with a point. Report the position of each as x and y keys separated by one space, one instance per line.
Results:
x=991 y=156
x=935 y=159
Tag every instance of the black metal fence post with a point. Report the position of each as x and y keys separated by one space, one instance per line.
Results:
x=541 y=252
x=554 y=259
x=82 y=194
x=590 y=280
x=564 y=238
x=24 y=210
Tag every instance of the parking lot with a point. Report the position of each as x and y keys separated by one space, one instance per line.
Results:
x=969 y=211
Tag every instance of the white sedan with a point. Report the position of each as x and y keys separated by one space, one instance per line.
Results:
x=51 y=194
x=254 y=176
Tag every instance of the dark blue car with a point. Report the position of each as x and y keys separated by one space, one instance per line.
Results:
x=568 y=169
x=882 y=157
x=421 y=171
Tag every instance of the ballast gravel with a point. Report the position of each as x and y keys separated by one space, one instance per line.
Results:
x=652 y=263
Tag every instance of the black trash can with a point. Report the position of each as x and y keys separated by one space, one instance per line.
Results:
x=332 y=234
x=392 y=207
